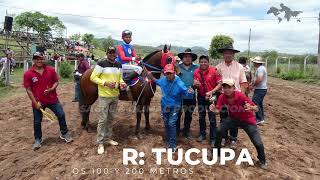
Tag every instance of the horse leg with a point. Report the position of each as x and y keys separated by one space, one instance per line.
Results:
x=138 y=111
x=85 y=113
x=146 y=115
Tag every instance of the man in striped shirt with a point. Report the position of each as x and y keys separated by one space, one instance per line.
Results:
x=108 y=75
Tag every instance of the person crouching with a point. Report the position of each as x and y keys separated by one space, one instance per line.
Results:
x=240 y=113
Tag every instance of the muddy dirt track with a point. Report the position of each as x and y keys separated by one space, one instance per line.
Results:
x=291 y=136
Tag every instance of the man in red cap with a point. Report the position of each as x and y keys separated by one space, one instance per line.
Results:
x=172 y=89
x=41 y=82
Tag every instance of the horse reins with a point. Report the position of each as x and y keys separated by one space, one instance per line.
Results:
x=156 y=70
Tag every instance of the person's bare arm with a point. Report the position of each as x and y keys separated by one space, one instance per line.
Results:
x=243 y=87
x=213 y=108
x=33 y=99
x=258 y=81
x=54 y=86
x=217 y=88
x=249 y=107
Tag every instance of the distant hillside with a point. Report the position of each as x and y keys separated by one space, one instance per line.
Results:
x=196 y=49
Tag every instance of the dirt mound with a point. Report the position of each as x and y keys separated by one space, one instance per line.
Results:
x=290 y=135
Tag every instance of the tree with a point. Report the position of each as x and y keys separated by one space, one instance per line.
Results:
x=75 y=37
x=108 y=42
x=87 y=38
x=218 y=41
x=271 y=54
x=39 y=22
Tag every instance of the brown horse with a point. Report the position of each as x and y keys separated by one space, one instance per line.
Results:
x=142 y=92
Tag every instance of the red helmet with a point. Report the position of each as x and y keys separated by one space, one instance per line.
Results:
x=126 y=32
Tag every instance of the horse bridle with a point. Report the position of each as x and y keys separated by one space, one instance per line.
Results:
x=156 y=69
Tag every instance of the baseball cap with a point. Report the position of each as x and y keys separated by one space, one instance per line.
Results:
x=169 y=68
x=37 y=54
x=229 y=82
x=111 y=48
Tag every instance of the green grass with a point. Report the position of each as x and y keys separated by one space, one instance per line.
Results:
x=296 y=73
x=16 y=78
x=17 y=81
x=293 y=75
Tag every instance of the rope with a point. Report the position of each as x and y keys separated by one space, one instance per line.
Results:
x=145 y=84
x=48 y=115
x=152 y=89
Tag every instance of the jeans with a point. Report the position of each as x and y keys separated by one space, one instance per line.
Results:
x=58 y=111
x=170 y=116
x=257 y=98
x=77 y=90
x=107 y=110
x=203 y=108
x=251 y=130
x=188 y=107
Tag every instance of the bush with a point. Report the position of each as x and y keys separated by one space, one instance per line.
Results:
x=66 y=70
x=293 y=75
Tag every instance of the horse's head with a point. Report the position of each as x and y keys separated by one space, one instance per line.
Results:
x=157 y=60
x=169 y=58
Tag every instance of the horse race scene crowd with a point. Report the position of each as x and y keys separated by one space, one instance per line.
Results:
x=73 y=107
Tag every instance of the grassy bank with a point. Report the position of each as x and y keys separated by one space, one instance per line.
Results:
x=17 y=81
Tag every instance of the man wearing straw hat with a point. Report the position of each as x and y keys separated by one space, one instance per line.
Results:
x=41 y=82
x=259 y=84
x=187 y=69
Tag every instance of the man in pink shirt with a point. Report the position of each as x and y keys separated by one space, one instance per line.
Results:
x=231 y=69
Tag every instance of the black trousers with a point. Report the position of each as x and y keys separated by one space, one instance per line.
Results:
x=232 y=134
x=203 y=108
x=188 y=106
x=251 y=130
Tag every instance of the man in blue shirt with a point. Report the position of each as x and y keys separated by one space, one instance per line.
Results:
x=186 y=74
x=172 y=89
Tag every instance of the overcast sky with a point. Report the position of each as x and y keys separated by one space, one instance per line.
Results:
x=287 y=37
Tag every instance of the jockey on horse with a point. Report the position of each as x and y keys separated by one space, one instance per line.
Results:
x=126 y=55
